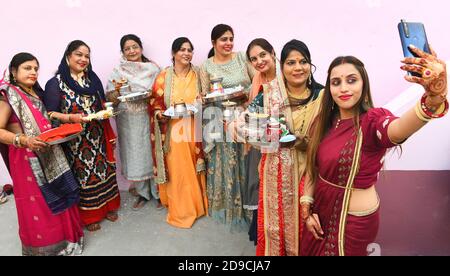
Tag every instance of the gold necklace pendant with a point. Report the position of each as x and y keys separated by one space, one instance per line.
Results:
x=29 y=91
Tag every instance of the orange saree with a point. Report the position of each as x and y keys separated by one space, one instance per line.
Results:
x=179 y=164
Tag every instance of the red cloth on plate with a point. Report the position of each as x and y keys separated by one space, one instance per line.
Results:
x=60 y=132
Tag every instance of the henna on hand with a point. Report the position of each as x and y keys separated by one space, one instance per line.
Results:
x=433 y=72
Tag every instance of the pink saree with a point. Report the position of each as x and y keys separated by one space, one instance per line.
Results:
x=49 y=222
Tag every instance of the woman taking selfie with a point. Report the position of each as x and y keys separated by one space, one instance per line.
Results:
x=341 y=206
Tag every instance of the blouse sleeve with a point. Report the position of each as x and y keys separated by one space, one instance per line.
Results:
x=13 y=118
x=157 y=98
x=250 y=70
x=204 y=80
x=2 y=96
x=378 y=121
x=52 y=96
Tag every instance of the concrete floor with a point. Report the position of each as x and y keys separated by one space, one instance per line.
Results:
x=143 y=232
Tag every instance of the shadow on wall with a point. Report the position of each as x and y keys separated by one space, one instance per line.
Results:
x=415 y=213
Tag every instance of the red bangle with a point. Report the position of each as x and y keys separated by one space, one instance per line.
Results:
x=428 y=112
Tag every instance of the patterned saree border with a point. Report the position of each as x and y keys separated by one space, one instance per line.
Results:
x=348 y=193
x=266 y=216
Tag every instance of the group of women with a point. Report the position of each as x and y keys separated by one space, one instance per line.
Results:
x=316 y=196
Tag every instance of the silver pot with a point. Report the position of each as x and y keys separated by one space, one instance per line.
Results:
x=229 y=111
x=228 y=114
x=180 y=108
x=125 y=88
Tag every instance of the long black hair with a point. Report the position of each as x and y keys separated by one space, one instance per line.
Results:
x=176 y=46
x=216 y=33
x=134 y=38
x=18 y=60
x=299 y=46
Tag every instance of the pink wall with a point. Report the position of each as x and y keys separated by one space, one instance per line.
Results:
x=364 y=28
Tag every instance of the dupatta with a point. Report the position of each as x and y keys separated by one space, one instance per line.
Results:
x=140 y=75
x=161 y=99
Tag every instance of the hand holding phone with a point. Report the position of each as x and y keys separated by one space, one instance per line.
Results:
x=412 y=33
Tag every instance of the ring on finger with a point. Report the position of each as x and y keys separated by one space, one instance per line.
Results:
x=427 y=73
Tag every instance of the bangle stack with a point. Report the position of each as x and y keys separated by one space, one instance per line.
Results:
x=425 y=114
x=434 y=114
x=16 y=141
x=420 y=114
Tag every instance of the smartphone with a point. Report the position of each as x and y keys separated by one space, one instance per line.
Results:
x=413 y=33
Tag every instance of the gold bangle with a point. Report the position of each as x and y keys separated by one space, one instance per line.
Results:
x=441 y=108
x=16 y=140
x=20 y=142
x=69 y=120
x=420 y=114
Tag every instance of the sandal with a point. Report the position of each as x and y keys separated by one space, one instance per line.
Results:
x=112 y=216
x=140 y=203
x=93 y=227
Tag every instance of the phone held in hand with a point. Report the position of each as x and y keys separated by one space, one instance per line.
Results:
x=413 y=33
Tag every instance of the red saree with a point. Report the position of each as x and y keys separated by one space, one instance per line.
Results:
x=338 y=158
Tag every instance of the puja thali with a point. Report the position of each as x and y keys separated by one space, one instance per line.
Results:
x=187 y=112
x=62 y=134
x=136 y=96
x=236 y=93
x=63 y=140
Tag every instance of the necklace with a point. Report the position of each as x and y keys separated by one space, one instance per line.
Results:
x=304 y=112
x=301 y=105
x=268 y=79
x=181 y=73
x=299 y=100
x=29 y=91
